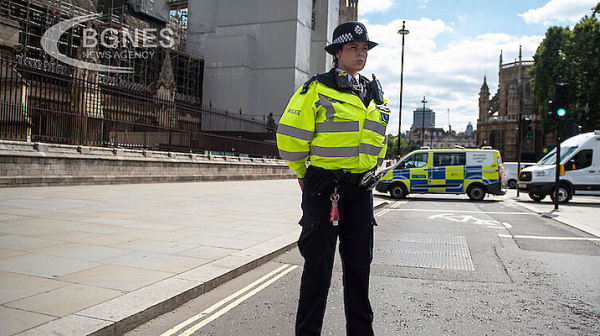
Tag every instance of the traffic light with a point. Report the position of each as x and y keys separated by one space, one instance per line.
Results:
x=552 y=110
x=561 y=100
x=526 y=127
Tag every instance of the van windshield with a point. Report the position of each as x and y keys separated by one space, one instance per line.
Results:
x=416 y=160
x=550 y=158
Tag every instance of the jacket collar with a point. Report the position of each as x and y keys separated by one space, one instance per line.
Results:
x=339 y=81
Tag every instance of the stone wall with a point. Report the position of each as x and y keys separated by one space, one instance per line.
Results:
x=40 y=164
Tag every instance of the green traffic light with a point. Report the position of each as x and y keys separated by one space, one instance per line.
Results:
x=561 y=112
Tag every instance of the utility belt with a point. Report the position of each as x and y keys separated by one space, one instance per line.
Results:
x=326 y=179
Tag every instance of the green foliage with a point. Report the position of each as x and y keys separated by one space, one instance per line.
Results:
x=550 y=63
x=574 y=56
x=392 y=148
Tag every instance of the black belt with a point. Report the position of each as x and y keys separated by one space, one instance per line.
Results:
x=344 y=176
x=353 y=178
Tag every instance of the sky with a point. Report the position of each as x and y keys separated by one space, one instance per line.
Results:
x=451 y=46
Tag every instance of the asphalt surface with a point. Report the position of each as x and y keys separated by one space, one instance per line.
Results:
x=103 y=259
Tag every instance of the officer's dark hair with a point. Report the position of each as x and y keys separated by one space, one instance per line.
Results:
x=335 y=59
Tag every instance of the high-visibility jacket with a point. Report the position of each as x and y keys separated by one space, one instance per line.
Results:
x=332 y=129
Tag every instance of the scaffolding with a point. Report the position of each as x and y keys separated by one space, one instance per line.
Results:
x=35 y=17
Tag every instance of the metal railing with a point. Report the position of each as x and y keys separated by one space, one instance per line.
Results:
x=75 y=106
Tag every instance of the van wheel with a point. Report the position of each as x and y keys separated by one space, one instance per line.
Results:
x=512 y=184
x=398 y=191
x=537 y=197
x=476 y=192
x=564 y=194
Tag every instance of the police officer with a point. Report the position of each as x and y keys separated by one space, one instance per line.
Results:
x=337 y=122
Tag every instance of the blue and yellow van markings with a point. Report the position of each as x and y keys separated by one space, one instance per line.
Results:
x=430 y=171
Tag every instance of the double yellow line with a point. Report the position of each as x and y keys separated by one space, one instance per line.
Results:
x=196 y=322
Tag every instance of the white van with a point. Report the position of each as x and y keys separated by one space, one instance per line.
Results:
x=510 y=175
x=580 y=156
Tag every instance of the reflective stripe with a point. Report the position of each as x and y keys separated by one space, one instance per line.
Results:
x=369 y=149
x=329 y=125
x=339 y=126
x=292 y=156
x=379 y=161
x=334 y=151
x=374 y=126
x=385 y=141
x=328 y=106
x=295 y=132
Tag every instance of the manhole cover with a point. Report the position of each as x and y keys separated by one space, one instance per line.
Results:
x=423 y=250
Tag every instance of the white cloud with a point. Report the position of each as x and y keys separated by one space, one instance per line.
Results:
x=370 y=6
x=450 y=76
x=556 y=11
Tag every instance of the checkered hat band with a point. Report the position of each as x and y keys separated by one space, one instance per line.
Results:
x=343 y=38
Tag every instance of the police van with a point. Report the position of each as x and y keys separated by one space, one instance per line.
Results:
x=580 y=162
x=476 y=172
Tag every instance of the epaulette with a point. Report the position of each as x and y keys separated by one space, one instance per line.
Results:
x=307 y=84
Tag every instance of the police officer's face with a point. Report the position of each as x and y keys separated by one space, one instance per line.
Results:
x=352 y=58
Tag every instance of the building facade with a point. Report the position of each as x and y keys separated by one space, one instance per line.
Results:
x=157 y=103
x=436 y=137
x=498 y=123
x=258 y=52
x=423 y=117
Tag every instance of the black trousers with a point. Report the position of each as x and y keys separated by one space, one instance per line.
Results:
x=317 y=244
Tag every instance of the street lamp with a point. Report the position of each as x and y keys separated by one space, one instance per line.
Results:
x=423 y=123
x=432 y=126
x=402 y=32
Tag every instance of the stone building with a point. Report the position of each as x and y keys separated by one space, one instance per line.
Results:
x=498 y=123
x=437 y=137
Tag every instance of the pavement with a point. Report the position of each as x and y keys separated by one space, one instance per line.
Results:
x=102 y=259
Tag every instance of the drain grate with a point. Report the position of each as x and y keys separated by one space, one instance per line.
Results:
x=423 y=250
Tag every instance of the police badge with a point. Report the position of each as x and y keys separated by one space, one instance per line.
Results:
x=385 y=113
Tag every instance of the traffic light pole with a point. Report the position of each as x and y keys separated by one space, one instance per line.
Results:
x=560 y=106
x=519 y=142
x=557 y=175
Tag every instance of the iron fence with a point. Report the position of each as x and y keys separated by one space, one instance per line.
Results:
x=50 y=103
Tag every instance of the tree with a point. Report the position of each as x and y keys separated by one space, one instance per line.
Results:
x=584 y=58
x=550 y=62
x=392 y=148
x=575 y=56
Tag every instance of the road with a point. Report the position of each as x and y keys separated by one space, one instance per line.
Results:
x=442 y=266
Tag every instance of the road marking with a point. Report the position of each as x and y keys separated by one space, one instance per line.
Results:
x=398 y=203
x=469 y=211
x=548 y=237
x=382 y=212
x=251 y=291
x=494 y=224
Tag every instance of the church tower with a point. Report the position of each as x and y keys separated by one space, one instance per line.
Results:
x=499 y=116
x=484 y=100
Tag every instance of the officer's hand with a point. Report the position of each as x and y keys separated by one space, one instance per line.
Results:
x=301 y=183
